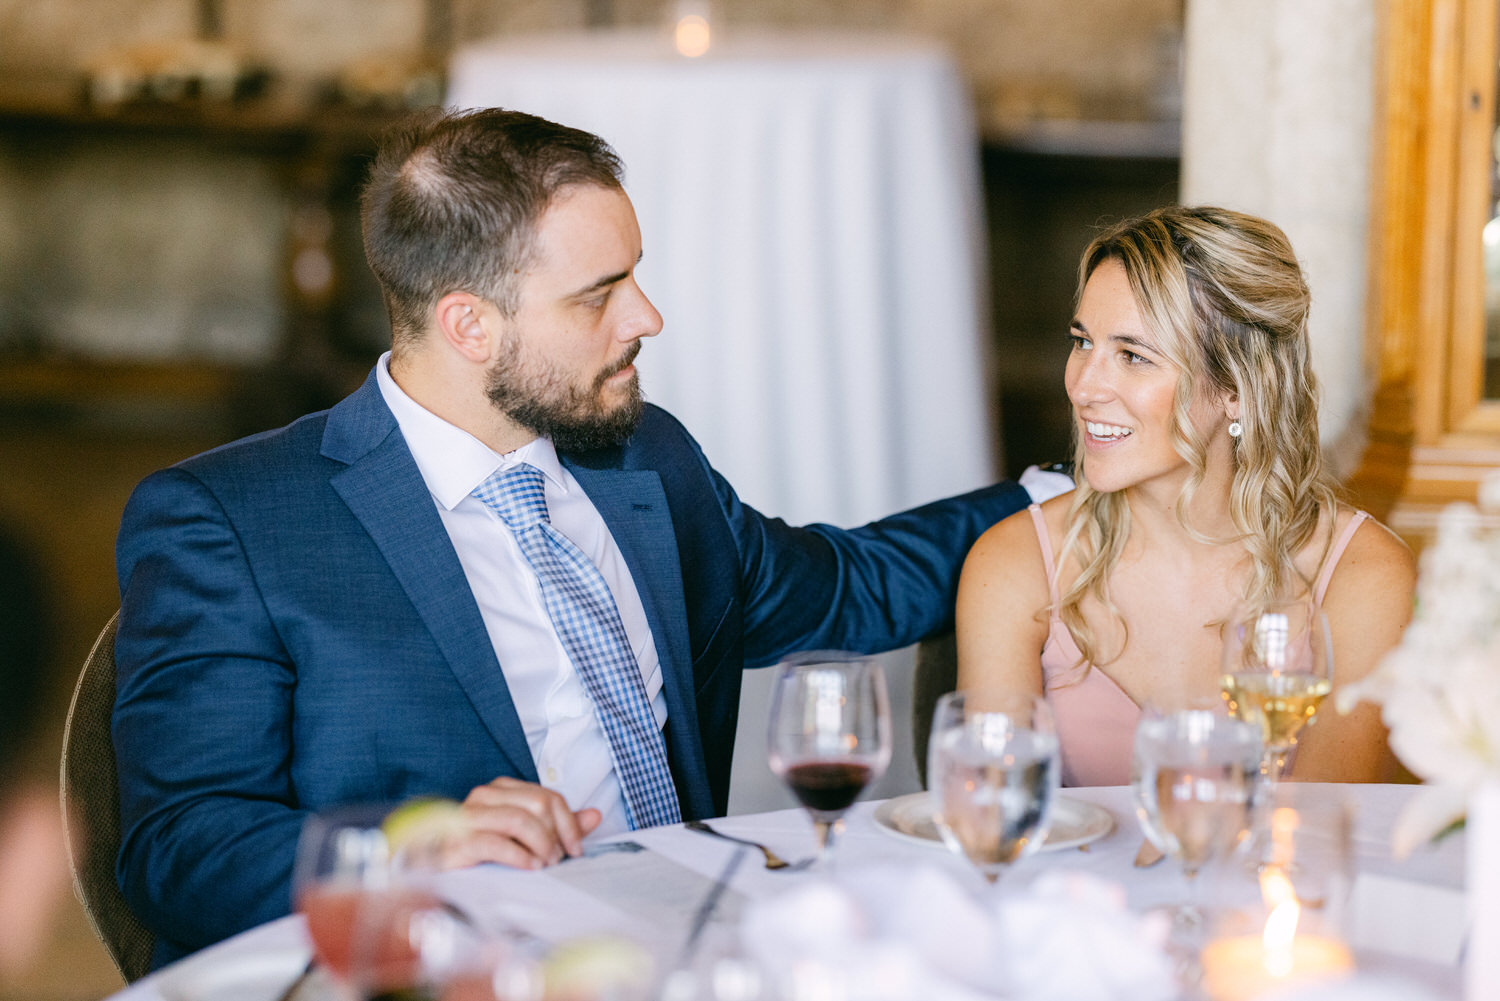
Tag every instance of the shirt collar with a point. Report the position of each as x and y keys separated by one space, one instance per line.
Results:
x=451 y=460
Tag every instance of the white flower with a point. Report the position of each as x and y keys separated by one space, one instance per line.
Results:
x=1439 y=689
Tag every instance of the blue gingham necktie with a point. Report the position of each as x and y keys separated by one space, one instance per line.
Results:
x=584 y=614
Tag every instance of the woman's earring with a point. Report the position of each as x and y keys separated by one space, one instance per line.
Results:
x=1236 y=429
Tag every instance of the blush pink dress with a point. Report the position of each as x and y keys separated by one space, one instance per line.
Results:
x=1096 y=720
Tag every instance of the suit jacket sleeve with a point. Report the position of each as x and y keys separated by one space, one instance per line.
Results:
x=202 y=724
x=878 y=587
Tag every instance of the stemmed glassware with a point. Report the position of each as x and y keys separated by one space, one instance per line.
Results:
x=372 y=914
x=830 y=735
x=992 y=772
x=1277 y=668
x=1196 y=778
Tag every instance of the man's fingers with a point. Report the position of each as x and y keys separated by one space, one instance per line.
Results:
x=570 y=831
x=535 y=835
x=588 y=819
x=534 y=820
x=492 y=846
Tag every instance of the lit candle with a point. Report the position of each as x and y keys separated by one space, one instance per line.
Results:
x=1252 y=966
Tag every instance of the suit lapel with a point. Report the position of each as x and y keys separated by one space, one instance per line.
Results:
x=634 y=507
x=385 y=491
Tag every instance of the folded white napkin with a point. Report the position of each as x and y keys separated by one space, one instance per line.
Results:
x=1357 y=988
x=903 y=933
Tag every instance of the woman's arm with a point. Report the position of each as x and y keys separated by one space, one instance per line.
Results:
x=1001 y=622
x=1368 y=603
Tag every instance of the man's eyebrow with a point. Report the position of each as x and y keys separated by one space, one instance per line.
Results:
x=606 y=281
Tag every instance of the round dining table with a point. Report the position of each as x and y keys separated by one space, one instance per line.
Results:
x=674 y=886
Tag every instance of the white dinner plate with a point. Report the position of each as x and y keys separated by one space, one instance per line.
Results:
x=1074 y=822
x=249 y=976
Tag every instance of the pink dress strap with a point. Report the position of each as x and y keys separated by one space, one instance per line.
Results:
x=1331 y=561
x=1049 y=565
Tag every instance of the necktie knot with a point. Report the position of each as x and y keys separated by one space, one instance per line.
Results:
x=517 y=495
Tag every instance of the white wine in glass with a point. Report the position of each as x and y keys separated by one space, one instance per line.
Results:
x=993 y=772
x=1277 y=668
x=830 y=735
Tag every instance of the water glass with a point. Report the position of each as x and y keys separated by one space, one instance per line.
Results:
x=1195 y=775
x=993 y=770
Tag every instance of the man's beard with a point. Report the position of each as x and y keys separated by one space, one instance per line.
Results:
x=542 y=400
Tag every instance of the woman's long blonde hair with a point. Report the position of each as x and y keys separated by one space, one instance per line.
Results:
x=1224 y=295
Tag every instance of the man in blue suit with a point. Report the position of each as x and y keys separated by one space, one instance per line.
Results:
x=357 y=608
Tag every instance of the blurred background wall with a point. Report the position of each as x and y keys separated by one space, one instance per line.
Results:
x=171 y=279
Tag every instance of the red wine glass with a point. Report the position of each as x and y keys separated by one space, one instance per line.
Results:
x=830 y=735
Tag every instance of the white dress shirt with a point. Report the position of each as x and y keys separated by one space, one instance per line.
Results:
x=568 y=744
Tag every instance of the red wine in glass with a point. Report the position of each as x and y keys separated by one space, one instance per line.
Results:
x=829 y=735
x=828 y=786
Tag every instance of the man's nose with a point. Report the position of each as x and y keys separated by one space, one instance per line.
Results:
x=642 y=320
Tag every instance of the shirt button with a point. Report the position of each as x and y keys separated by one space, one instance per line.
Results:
x=552 y=775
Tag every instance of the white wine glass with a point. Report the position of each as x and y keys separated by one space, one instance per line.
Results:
x=1196 y=779
x=1277 y=668
x=830 y=736
x=992 y=772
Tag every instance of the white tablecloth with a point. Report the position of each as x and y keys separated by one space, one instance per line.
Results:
x=812 y=220
x=654 y=894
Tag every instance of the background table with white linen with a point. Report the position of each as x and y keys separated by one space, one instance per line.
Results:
x=654 y=895
x=812 y=219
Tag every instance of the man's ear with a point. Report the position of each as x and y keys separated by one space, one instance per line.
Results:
x=464 y=320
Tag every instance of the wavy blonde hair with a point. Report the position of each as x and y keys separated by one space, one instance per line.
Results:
x=1224 y=295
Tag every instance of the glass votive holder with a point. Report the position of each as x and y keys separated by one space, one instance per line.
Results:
x=1281 y=914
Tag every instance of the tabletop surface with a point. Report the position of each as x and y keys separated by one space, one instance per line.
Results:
x=654 y=894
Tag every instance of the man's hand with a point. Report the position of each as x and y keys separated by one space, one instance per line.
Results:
x=521 y=825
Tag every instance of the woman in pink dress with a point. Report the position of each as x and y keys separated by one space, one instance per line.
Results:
x=1201 y=485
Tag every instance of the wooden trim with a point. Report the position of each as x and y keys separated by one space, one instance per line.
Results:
x=1474 y=110
x=1435 y=267
x=1433 y=436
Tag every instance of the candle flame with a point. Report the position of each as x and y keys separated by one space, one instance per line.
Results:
x=1281 y=929
x=692 y=35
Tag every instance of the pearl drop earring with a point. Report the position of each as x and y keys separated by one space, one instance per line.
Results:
x=1236 y=429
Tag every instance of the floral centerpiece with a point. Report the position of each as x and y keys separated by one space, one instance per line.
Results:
x=1439 y=689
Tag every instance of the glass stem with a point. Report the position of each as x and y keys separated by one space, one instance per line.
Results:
x=1188 y=921
x=827 y=832
x=1273 y=764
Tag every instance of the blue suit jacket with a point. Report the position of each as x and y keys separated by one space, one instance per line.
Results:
x=296 y=632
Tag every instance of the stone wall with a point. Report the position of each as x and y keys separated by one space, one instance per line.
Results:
x=1079 y=58
x=138 y=248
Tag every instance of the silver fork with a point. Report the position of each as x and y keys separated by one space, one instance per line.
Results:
x=773 y=861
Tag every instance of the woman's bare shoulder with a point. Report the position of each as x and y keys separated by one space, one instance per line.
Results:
x=1005 y=537
x=1002 y=595
x=1007 y=560
x=1376 y=566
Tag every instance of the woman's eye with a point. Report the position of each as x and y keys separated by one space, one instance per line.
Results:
x=1080 y=343
x=1131 y=358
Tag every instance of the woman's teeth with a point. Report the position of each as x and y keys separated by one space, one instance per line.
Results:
x=1106 y=430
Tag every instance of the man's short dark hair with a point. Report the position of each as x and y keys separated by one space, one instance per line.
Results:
x=452 y=201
